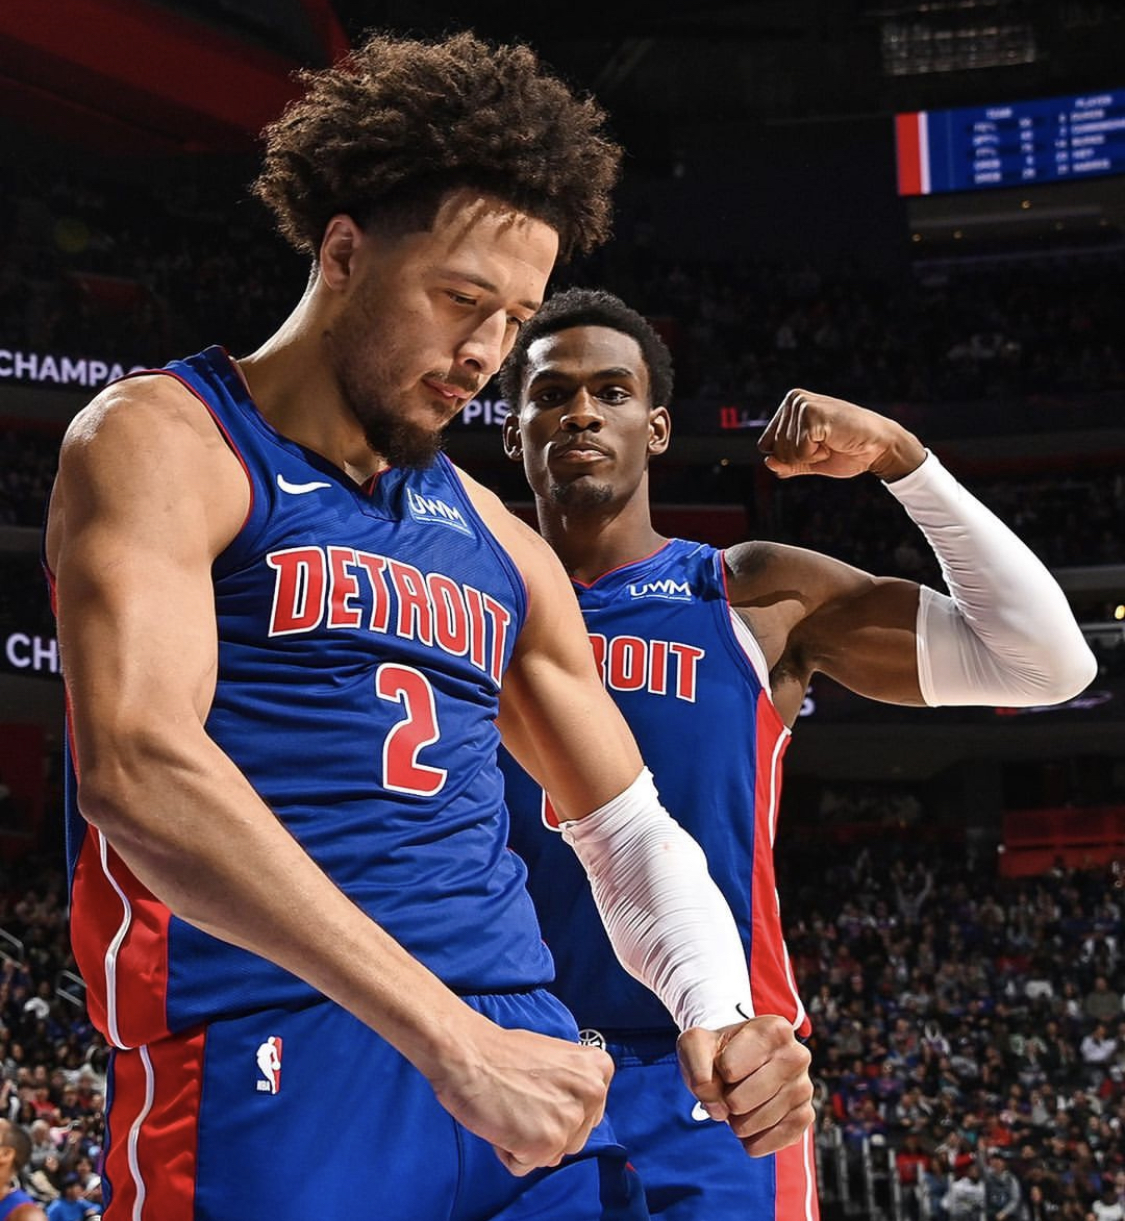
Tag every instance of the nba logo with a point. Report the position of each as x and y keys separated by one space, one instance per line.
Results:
x=269 y=1065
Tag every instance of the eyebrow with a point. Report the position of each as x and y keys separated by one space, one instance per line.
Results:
x=618 y=371
x=488 y=286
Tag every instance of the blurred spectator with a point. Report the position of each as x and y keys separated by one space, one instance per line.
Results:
x=965 y=1198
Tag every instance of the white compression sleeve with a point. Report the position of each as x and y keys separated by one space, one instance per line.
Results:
x=1006 y=635
x=666 y=919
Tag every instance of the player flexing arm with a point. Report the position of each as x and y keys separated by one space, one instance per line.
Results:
x=1004 y=635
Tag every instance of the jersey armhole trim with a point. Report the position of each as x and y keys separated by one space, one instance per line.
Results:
x=744 y=638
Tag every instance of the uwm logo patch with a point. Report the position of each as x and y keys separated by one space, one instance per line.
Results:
x=669 y=590
x=430 y=509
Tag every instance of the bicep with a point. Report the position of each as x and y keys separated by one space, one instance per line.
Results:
x=131 y=541
x=866 y=639
x=813 y=613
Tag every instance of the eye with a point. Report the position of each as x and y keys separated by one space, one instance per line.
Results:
x=459 y=298
x=614 y=394
x=548 y=397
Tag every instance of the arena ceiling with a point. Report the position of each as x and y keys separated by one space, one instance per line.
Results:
x=200 y=75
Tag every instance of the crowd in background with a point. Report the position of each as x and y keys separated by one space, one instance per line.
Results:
x=971 y=1024
x=52 y=1061
x=167 y=264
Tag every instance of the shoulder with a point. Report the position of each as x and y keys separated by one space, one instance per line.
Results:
x=760 y=567
x=528 y=550
x=27 y=1211
x=149 y=409
x=143 y=444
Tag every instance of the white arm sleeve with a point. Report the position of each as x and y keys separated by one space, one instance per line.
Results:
x=1006 y=635
x=666 y=919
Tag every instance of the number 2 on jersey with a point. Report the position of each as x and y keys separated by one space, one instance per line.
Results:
x=402 y=773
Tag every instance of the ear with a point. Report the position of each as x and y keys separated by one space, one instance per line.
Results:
x=659 y=430
x=342 y=238
x=510 y=431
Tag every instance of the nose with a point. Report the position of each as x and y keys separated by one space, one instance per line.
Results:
x=482 y=352
x=582 y=413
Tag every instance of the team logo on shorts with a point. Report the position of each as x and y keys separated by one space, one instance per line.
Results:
x=269 y=1065
x=592 y=1038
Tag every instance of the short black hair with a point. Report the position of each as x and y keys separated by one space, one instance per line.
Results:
x=589 y=307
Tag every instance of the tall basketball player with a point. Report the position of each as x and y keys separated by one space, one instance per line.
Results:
x=708 y=654
x=286 y=620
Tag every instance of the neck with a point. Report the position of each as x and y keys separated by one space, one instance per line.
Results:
x=592 y=540
x=291 y=381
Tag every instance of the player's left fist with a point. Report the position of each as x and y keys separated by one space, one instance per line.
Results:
x=812 y=434
x=755 y=1076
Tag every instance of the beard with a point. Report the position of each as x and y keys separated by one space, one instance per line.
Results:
x=387 y=428
x=580 y=494
x=400 y=442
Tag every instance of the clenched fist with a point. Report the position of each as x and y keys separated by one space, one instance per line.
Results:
x=812 y=434
x=534 y=1098
x=755 y=1076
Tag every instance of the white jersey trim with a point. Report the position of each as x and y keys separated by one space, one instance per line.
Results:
x=135 y=1135
x=753 y=650
x=114 y=946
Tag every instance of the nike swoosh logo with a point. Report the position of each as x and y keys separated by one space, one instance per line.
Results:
x=298 y=489
x=699 y=1112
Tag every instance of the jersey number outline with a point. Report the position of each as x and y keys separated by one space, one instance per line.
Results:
x=402 y=773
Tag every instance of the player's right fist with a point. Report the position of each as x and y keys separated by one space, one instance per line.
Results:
x=813 y=434
x=534 y=1098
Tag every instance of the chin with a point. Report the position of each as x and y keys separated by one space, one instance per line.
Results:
x=580 y=493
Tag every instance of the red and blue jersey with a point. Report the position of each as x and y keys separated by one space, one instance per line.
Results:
x=691 y=681
x=363 y=635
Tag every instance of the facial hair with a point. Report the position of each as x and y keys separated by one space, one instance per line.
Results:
x=401 y=442
x=580 y=494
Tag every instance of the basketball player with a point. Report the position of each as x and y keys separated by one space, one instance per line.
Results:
x=708 y=654
x=286 y=620
x=15 y=1150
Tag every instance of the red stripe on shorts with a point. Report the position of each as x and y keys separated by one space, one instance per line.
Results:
x=153 y=1123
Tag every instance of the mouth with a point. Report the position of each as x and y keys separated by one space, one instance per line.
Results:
x=578 y=452
x=453 y=396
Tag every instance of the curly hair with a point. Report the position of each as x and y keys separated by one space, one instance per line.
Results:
x=385 y=134
x=589 y=307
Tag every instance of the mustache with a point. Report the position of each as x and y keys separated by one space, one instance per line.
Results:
x=458 y=381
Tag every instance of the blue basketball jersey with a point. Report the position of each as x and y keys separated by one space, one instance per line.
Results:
x=689 y=681
x=13 y=1200
x=363 y=636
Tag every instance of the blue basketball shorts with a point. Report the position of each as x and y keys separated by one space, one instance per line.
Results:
x=285 y=1115
x=692 y=1168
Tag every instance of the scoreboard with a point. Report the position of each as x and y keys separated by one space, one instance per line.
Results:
x=1011 y=145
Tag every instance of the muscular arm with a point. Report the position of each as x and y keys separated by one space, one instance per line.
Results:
x=1005 y=635
x=147 y=496
x=811 y=613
